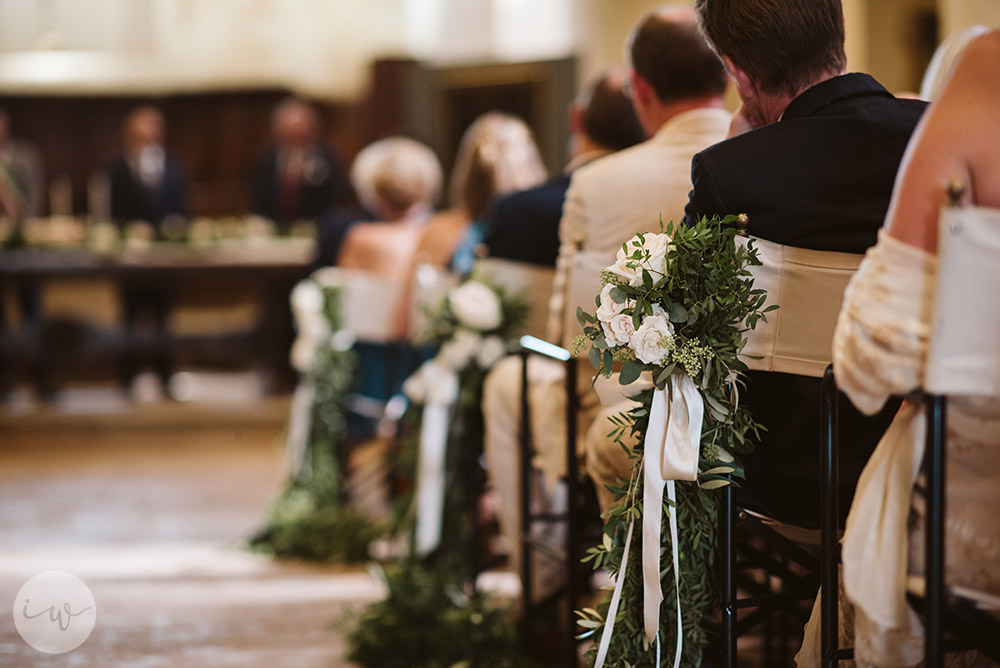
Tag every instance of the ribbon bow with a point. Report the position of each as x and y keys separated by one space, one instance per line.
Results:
x=671 y=449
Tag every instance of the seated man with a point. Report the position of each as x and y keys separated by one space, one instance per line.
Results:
x=524 y=225
x=676 y=85
x=813 y=168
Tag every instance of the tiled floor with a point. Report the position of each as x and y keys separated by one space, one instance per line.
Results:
x=147 y=503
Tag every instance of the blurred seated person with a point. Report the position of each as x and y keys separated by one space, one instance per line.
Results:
x=881 y=349
x=22 y=184
x=524 y=225
x=398 y=179
x=497 y=155
x=298 y=177
x=145 y=183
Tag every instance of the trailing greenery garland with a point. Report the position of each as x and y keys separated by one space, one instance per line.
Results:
x=432 y=616
x=678 y=302
x=310 y=520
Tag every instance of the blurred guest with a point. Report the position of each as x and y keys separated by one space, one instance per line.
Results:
x=525 y=225
x=399 y=180
x=497 y=155
x=882 y=348
x=676 y=84
x=22 y=184
x=298 y=177
x=145 y=183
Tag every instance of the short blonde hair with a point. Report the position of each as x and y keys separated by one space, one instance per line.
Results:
x=395 y=175
x=497 y=155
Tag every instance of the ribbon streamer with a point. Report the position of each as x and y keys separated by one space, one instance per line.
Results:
x=609 y=622
x=430 y=477
x=671 y=449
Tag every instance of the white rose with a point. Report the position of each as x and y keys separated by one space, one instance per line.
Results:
x=303 y=353
x=415 y=387
x=609 y=308
x=619 y=330
x=476 y=305
x=655 y=245
x=491 y=350
x=440 y=383
x=459 y=351
x=648 y=341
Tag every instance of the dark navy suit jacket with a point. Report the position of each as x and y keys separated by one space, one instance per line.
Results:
x=323 y=185
x=525 y=225
x=819 y=178
x=131 y=200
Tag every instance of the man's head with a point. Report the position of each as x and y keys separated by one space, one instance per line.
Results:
x=294 y=123
x=144 y=127
x=671 y=66
x=775 y=48
x=602 y=115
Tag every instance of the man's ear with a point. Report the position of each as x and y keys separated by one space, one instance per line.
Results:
x=575 y=118
x=745 y=85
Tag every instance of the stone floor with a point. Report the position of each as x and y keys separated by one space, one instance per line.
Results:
x=147 y=503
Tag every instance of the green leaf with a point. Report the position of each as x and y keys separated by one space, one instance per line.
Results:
x=583 y=317
x=595 y=358
x=630 y=372
x=618 y=295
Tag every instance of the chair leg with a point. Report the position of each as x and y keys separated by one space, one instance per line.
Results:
x=525 y=498
x=829 y=522
x=726 y=530
x=934 y=464
x=572 y=517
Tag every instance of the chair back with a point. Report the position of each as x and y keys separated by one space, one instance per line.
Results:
x=808 y=286
x=964 y=351
x=533 y=283
x=369 y=305
x=582 y=288
x=431 y=283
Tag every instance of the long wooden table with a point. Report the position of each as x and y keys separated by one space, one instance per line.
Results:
x=151 y=279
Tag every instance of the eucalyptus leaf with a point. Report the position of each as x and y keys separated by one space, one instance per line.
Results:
x=630 y=372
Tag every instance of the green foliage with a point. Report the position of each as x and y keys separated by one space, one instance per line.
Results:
x=426 y=621
x=309 y=519
x=705 y=290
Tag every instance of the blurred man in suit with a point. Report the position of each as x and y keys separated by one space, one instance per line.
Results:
x=676 y=85
x=22 y=181
x=145 y=183
x=298 y=177
x=524 y=225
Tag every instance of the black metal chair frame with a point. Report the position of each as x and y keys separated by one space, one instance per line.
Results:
x=941 y=610
x=569 y=553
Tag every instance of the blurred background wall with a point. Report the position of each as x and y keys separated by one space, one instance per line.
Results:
x=71 y=69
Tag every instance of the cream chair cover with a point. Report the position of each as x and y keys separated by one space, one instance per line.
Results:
x=369 y=302
x=808 y=285
x=903 y=303
x=531 y=282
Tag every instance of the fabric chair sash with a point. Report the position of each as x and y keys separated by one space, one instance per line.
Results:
x=964 y=351
x=808 y=285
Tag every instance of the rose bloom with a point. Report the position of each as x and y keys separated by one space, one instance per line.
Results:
x=476 y=306
x=609 y=308
x=619 y=330
x=648 y=340
x=459 y=351
x=491 y=350
x=656 y=245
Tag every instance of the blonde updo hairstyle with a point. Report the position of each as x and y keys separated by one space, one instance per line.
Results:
x=497 y=155
x=397 y=177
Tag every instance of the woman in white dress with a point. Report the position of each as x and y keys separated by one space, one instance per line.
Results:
x=880 y=349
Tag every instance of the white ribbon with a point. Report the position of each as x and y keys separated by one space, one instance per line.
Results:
x=671 y=448
x=609 y=622
x=430 y=477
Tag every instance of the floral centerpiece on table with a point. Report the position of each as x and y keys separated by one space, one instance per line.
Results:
x=432 y=615
x=675 y=307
